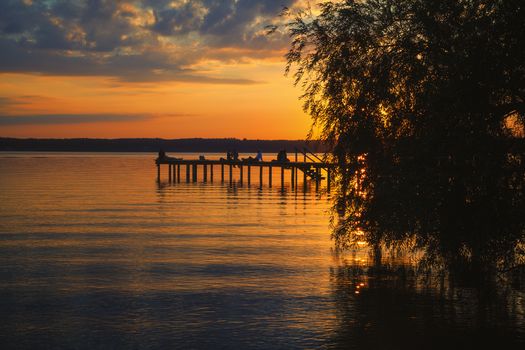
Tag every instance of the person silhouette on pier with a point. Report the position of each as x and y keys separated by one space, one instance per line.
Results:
x=258 y=157
x=235 y=155
x=282 y=157
x=250 y=159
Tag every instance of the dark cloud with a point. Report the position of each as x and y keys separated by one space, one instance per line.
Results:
x=7 y=103
x=53 y=119
x=223 y=23
x=177 y=21
x=148 y=40
x=150 y=66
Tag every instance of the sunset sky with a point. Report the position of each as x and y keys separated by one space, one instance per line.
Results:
x=151 y=68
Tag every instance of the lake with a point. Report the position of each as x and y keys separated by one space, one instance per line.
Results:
x=94 y=253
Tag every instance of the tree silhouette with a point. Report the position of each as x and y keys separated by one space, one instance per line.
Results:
x=423 y=106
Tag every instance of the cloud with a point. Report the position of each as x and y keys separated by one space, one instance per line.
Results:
x=150 y=40
x=55 y=119
x=20 y=102
x=6 y=102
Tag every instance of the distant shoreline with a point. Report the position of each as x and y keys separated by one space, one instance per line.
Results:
x=154 y=145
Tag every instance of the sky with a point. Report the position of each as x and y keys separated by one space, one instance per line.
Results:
x=150 y=68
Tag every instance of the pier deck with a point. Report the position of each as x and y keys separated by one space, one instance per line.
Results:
x=310 y=171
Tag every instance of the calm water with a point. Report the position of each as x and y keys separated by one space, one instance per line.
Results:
x=95 y=254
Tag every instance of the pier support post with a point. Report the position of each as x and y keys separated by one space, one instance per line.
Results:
x=292 y=176
x=282 y=178
x=205 y=172
x=231 y=174
x=304 y=171
x=249 y=175
x=270 y=176
x=178 y=173
x=260 y=176
x=304 y=179
x=296 y=175
x=241 y=175
x=195 y=170
x=222 y=172
x=158 y=172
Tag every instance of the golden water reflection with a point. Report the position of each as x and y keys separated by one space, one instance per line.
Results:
x=92 y=248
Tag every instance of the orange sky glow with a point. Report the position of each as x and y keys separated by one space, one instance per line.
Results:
x=169 y=69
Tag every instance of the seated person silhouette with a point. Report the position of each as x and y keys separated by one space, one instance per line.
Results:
x=162 y=155
x=258 y=158
x=282 y=157
x=228 y=156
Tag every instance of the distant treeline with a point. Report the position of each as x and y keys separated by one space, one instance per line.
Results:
x=154 y=145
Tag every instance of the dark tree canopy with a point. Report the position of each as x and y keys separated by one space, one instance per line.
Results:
x=423 y=106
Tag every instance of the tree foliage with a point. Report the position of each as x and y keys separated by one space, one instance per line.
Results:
x=423 y=106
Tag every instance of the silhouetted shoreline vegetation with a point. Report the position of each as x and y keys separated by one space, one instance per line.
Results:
x=153 y=145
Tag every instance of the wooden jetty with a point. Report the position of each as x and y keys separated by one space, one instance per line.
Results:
x=311 y=168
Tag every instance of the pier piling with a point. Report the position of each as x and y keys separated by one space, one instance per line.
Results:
x=282 y=177
x=304 y=179
x=241 y=173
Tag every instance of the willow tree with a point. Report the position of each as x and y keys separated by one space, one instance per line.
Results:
x=422 y=105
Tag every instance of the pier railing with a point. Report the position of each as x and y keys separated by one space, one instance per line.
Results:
x=307 y=155
x=314 y=174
